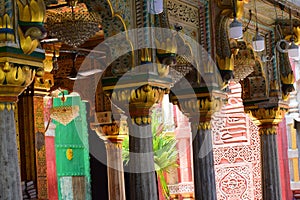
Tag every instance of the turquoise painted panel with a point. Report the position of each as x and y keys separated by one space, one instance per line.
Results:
x=73 y=167
x=71 y=147
x=73 y=134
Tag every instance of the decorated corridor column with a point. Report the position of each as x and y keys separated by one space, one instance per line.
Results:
x=137 y=102
x=18 y=65
x=113 y=134
x=10 y=181
x=141 y=164
x=200 y=111
x=267 y=120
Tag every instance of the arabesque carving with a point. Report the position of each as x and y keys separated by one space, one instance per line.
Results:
x=255 y=85
x=236 y=148
x=244 y=61
x=183 y=12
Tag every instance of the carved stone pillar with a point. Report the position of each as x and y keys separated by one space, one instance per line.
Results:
x=19 y=63
x=136 y=102
x=143 y=182
x=116 y=185
x=200 y=111
x=10 y=181
x=204 y=173
x=14 y=79
x=113 y=135
x=142 y=172
x=267 y=120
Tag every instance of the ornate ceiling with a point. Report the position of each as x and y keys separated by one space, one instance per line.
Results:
x=268 y=11
x=64 y=52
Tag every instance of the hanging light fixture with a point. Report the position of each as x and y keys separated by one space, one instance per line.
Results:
x=72 y=25
x=155 y=6
x=293 y=50
x=258 y=42
x=236 y=27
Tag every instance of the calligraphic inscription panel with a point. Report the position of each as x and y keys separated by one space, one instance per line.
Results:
x=236 y=146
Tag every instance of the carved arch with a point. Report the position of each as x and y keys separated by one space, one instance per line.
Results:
x=113 y=23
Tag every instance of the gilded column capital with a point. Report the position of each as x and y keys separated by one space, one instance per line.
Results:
x=7 y=106
x=14 y=78
x=110 y=130
x=43 y=84
x=141 y=102
x=204 y=126
x=268 y=130
x=265 y=116
x=201 y=109
x=200 y=125
x=267 y=119
x=137 y=102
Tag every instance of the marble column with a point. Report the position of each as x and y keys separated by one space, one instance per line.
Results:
x=116 y=184
x=136 y=104
x=18 y=67
x=270 y=167
x=113 y=135
x=10 y=180
x=204 y=173
x=200 y=111
x=143 y=183
x=267 y=120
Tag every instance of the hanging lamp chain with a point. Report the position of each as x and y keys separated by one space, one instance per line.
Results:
x=234 y=9
x=291 y=26
x=256 y=23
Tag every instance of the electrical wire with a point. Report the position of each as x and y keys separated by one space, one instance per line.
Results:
x=255 y=10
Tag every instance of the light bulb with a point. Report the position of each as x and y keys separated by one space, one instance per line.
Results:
x=235 y=29
x=155 y=6
x=258 y=42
